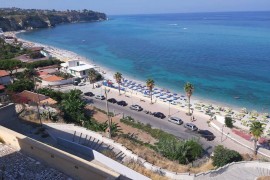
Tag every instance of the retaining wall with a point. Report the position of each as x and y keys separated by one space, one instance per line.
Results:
x=69 y=164
x=57 y=83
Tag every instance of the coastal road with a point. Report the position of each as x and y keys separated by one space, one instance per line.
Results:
x=177 y=130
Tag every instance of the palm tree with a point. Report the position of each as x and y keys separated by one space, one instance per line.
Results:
x=150 y=83
x=92 y=76
x=256 y=129
x=118 y=78
x=189 y=88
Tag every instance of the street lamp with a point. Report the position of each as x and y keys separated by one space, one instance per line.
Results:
x=107 y=108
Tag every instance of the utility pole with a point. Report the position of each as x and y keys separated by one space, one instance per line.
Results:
x=38 y=102
x=109 y=120
x=169 y=108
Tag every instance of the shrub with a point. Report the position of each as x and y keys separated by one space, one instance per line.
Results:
x=223 y=156
x=21 y=85
x=228 y=122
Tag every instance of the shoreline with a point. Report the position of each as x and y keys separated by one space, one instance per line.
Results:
x=65 y=55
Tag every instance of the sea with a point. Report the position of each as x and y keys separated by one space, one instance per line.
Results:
x=226 y=56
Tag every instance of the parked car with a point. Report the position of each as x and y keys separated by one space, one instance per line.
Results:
x=159 y=115
x=90 y=94
x=136 y=107
x=175 y=120
x=209 y=136
x=81 y=84
x=122 y=103
x=191 y=126
x=75 y=83
x=112 y=100
x=101 y=97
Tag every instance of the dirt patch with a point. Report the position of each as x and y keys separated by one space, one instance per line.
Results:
x=264 y=178
x=136 y=133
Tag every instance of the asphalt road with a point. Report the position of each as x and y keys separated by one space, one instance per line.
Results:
x=177 y=130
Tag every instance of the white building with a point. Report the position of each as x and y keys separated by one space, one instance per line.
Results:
x=4 y=77
x=76 y=68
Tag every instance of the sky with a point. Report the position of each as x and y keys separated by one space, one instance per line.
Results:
x=114 y=7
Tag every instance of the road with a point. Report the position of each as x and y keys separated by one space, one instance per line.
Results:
x=177 y=130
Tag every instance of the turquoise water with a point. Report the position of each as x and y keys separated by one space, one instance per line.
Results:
x=225 y=55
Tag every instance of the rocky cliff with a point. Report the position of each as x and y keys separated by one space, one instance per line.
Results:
x=13 y=19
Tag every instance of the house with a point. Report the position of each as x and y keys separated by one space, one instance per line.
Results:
x=4 y=77
x=35 y=98
x=76 y=68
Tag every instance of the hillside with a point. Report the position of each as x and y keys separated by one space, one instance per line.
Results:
x=13 y=19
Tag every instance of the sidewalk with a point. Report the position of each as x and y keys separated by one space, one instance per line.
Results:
x=228 y=133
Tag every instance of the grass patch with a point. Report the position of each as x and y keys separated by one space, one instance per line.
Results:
x=111 y=114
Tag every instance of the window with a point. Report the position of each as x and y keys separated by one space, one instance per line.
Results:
x=83 y=72
x=78 y=63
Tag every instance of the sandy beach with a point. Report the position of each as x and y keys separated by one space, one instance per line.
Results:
x=201 y=110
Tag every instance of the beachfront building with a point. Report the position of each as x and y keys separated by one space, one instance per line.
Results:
x=76 y=68
x=4 y=77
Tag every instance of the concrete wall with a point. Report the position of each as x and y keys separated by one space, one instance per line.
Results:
x=69 y=164
x=114 y=165
x=56 y=83
x=7 y=113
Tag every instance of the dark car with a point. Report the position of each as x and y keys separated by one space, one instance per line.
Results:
x=90 y=94
x=112 y=100
x=122 y=103
x=159 y=115
x=209 y=136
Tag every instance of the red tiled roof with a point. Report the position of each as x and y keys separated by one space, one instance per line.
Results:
x=36 y=48
x=3 y=73
x=2 y=87
x=53 y=78
x=31 y=96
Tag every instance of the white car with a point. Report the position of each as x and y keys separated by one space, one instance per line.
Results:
x=175 y=120
x=101 y=97
x=81 y=84
x=136 y=107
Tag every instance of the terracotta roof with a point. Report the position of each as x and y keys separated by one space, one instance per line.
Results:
x=3 y=73
x=2 y=87
x=31 y=96
x=53 y=78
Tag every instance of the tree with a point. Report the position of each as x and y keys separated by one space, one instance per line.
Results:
x=92 y=76
x=29 y=73
x=228 y=122
x=10 y=65
x=223 y=156
x=73 y=106
x=118 y=79
x=21 y=85
x=189 y=88
x=256 y=129
x=150 y=83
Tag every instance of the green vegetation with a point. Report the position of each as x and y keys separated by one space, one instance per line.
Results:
x=21 y=85
x=256 y=129
x=10 y=65
x=43 y=63
x=118 y=77
x=13 y=19
x=189 y=88
x=168 y=145
x=73 y=107
x=56 y=95
x=8 y=51
x=92 y=76
x=150 y=83
x=223 y=156
x=228 y=122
